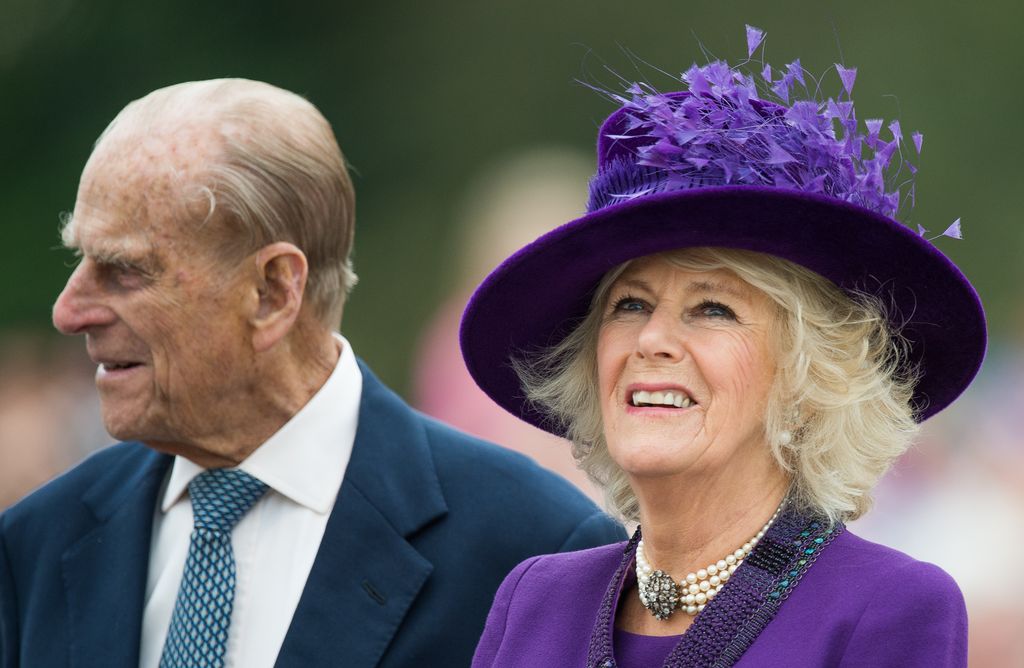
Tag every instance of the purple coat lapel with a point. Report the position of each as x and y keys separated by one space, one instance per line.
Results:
x=736 y=617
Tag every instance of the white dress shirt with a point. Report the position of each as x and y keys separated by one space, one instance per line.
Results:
x=276 y=542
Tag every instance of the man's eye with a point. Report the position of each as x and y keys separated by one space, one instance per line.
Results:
x=124 y=274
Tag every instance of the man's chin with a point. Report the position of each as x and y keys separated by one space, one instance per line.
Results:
x=125 y=427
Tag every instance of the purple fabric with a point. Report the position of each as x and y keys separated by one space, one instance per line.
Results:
x=536 y=296
x=861 y=604
x=726 y=134
x=716 y=165
x=727 y=627
x=637 y=651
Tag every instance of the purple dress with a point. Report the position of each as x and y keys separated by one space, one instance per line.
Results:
x=806 y=596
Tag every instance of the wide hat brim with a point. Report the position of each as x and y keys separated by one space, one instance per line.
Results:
x=534 y=298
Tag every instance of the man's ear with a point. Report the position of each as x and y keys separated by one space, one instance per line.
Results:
x=281 y=274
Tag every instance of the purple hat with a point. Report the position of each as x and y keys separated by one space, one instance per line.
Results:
x=718 y=165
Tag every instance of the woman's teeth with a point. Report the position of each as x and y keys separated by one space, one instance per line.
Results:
x=667 y=398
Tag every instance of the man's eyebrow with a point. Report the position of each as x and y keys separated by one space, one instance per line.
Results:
x=111 y=256
x=68 y=238
x=142 y=259
x=108 y=254
x=119 y=252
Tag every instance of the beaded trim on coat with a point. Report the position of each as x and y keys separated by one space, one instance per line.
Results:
x=735 y=618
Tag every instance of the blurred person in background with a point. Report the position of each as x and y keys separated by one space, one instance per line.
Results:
x=516 y=200
x=968 y=457
x=42 y=378
x=273 y=503
x=739 y=338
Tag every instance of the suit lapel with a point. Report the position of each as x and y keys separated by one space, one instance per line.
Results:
x=366 y=575
x=105 y=571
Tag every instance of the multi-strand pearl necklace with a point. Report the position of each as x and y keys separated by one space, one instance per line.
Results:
x=660 y=594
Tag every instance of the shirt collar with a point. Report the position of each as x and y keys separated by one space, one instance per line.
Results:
x=305 y=460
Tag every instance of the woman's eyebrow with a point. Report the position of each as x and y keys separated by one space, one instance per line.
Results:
x=635 y=283
x=718 y=287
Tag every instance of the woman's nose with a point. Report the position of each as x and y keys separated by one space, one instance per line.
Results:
x=661 y=336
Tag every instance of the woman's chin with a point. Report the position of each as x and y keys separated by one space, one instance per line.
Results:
x=648 y=467
x=655 y=455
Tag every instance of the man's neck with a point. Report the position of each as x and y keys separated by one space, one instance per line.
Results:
x=286 y=379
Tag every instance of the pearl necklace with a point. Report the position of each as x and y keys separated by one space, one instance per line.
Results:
x=660 y=594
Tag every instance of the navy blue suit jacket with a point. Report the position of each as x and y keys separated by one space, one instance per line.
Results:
x=427 y=523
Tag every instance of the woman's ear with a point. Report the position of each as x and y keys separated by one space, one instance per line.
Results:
x=281 y=274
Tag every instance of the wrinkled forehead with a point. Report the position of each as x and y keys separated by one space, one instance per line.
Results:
x=683 y=267
x=143 y=179
x=160 y=154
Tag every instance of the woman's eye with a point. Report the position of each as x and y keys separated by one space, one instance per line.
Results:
x=629 y=304
x=715 y=310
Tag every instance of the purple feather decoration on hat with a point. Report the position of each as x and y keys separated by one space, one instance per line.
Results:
x=725 y=130
x=848 y=76
x=623 y=180
x=953 y=231
x=754 y=37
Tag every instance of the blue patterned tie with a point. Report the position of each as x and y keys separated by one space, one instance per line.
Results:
x=199 y=626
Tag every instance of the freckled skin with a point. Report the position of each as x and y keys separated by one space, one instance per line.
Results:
x=201 y=389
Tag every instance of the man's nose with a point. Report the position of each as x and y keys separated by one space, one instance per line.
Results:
x=79 y=306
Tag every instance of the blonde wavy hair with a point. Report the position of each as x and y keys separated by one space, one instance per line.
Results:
x=843 y=387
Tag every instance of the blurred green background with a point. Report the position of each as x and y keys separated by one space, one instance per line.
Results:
x=429 y=99
x=423 y=96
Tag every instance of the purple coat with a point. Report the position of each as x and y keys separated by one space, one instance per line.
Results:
x=855 y=604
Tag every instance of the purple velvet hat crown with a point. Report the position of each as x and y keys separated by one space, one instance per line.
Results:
x=718 y=165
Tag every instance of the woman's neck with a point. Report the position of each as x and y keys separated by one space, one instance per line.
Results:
x=692 y=521
x=689 y=524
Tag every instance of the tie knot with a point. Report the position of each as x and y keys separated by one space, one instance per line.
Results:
x=220 y=497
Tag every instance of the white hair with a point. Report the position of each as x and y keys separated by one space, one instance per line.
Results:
x=278 y=175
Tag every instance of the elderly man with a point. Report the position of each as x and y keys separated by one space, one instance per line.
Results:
x=273 y=504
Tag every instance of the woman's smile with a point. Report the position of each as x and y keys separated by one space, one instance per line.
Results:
x=684 y=365
x=657 y=399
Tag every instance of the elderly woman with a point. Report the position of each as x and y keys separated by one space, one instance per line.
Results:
x=739 y=339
